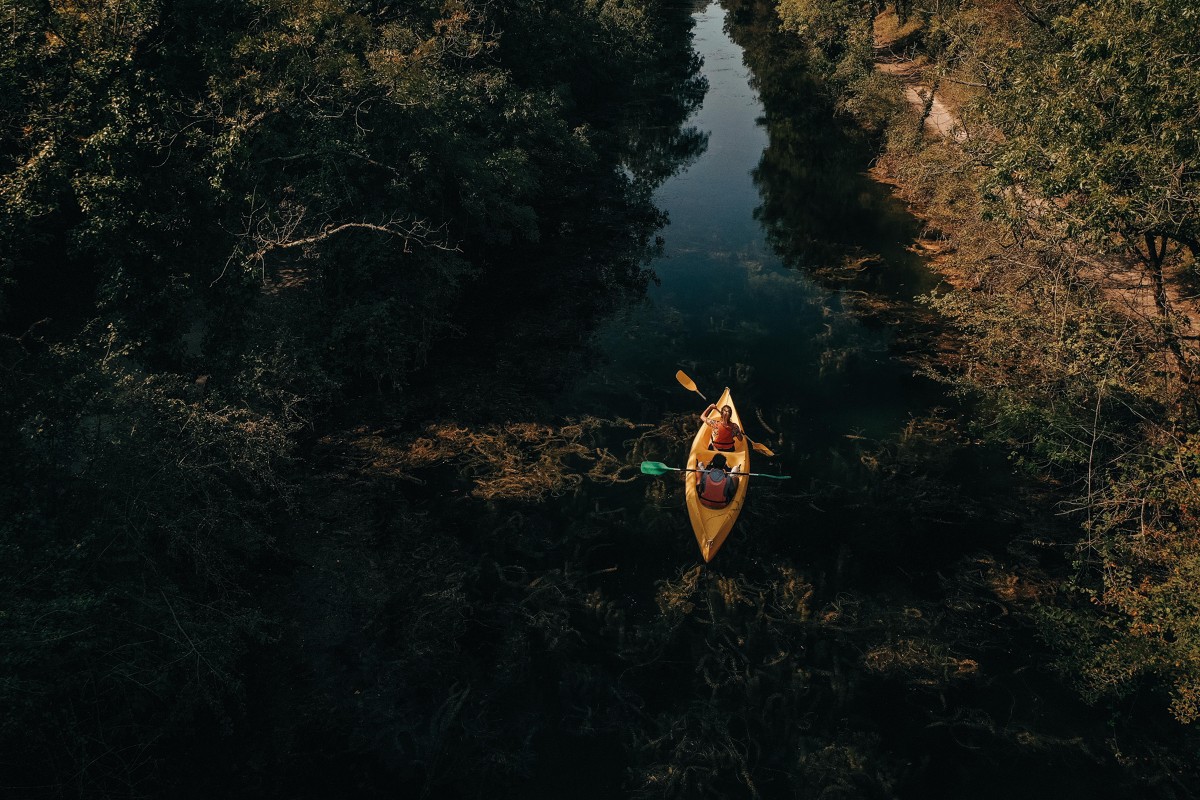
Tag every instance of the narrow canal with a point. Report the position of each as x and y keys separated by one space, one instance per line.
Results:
x=864 y=631
x=853 y=638
x=735 y=304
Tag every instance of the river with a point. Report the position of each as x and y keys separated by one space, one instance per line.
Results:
x=733 y=308
x=532 y=616
x=894 y=665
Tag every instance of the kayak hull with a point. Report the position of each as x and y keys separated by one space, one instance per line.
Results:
x=712 y=525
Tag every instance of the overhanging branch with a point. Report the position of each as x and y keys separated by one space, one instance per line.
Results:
x=267 y=233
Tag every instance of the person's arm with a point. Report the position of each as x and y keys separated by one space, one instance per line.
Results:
x=737 y=429
x=704 y=414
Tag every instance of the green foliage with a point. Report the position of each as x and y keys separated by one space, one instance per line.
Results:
x=132 y=509
x=838 y=37
x=839 y=43
x=832 y=26
x=216 y=220
x=1086 y=397
x=1145 y=574
x=1118 y=142
x=1083 y=143
x=1077 y=391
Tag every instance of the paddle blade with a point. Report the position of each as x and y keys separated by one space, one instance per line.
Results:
x=772 y=477
x=688 y=383
x=762 y=448
x=655 y=468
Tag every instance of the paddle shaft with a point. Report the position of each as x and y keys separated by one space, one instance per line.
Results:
x=735 y=474
x=778 y=477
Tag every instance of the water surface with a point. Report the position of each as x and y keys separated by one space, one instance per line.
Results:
x=907 y=673
x=734 y=309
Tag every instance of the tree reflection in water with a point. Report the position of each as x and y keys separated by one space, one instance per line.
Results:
x=542 y=639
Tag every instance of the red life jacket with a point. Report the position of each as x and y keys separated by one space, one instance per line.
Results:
x=723 y=436
x=713 y=485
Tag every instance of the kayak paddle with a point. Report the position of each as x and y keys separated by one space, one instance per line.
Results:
x=690 y=385
x=759 y=446
x=659 y=468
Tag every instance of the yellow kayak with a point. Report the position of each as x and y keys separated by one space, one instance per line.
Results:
x=712 y=525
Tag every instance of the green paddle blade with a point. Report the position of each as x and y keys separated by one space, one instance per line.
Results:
x=655 y=468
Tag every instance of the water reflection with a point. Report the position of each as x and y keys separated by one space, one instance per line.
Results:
x=852 y=638
x=731 y=305
x=819 y=209
x=526 y=326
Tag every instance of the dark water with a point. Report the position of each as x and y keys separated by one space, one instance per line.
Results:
x=736 y=303
x=860 y=634
x=918 y=680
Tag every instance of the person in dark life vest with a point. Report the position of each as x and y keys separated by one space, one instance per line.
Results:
x=715 y=485
x=724 y=430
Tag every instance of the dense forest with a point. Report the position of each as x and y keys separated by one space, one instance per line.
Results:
x=286 y=289
x=222 y=223
x=1066 y=209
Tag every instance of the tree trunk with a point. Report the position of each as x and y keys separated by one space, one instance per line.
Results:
x=1156 y=251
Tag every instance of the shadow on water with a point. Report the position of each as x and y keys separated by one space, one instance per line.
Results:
x=510 y=609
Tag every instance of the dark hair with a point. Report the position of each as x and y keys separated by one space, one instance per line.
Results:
x=718 y=461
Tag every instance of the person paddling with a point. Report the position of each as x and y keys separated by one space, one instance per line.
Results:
x=714 y=484
x=724 y=430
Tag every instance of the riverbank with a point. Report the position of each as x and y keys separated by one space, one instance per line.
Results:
x=936 y=95
x=1078 y=343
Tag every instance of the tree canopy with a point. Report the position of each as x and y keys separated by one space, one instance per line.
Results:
x=217 y=219
x=1098 y=107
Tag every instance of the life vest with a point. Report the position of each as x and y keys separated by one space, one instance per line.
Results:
x=714 y=485
x=723 y=436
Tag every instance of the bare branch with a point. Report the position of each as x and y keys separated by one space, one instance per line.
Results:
x=419 y=231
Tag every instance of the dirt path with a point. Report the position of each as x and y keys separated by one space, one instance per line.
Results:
x=940 y=120
x=893 y=56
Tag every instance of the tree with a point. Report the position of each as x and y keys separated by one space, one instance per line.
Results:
x=160 y=162
x=1098 y=134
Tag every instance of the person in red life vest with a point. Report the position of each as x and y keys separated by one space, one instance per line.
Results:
x=715 y=485
x=724 y=430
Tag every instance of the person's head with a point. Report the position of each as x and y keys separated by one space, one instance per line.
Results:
x=718 y=462
x=726 y=413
